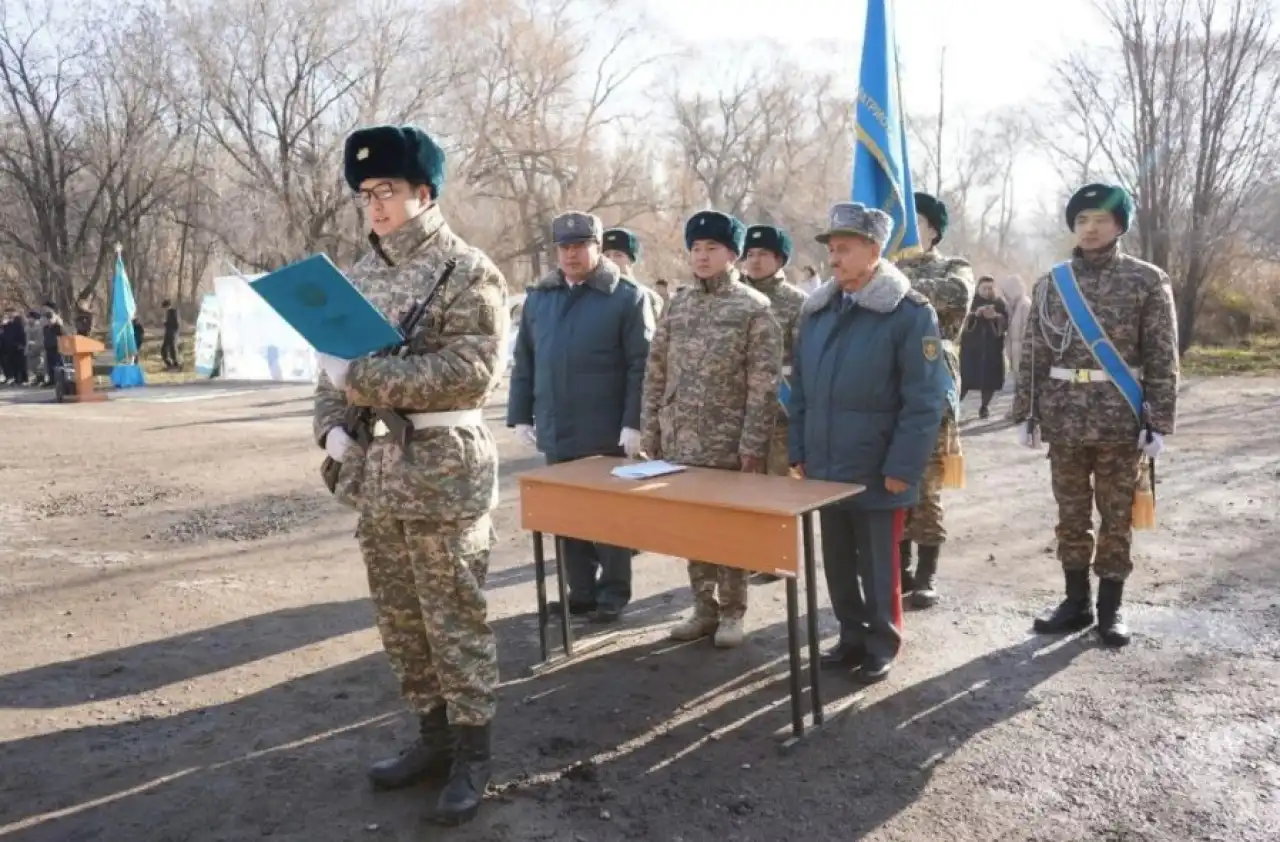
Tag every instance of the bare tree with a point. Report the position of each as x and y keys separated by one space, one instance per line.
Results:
x=1182 y=109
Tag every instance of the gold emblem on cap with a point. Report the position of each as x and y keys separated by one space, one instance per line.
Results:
x=363 y=153
x=569 y=222
x=755 y=235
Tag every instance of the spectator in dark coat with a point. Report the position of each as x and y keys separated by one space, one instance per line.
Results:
x=982 y=344
x=169 y=347
x=576 y=382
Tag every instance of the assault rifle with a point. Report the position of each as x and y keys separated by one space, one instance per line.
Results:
x=358 y=420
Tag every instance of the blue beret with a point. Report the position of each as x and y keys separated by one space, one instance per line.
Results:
x=1107 y=197
x=770 y=237
x=717 y=227
x=620 y=239
x=934 y=210
x=405 y=152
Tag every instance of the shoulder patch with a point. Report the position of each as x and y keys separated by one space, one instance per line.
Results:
x=932 y=348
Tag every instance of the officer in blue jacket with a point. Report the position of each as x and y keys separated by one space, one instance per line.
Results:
x=868 y=386
x=577 y=376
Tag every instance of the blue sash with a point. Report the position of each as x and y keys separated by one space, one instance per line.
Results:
x=1105 y=353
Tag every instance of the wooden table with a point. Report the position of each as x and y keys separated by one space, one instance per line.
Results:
x=748 y=521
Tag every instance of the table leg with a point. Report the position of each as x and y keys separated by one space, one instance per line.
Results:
x=793 y=649
x=811 y=610
x=540 y=577
x=562 y=573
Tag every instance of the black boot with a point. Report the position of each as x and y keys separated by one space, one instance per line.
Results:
x=428 y=758
x=1111 y=627
x=924 y=595
x=1074 y=613
x=469 y=776
x=904 y=561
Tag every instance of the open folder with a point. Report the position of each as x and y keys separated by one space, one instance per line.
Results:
x=318 y=301
x=646 y=470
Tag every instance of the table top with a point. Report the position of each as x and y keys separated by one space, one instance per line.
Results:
x=705 y=486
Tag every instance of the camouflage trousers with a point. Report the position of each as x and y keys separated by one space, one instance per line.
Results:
x=705 y=579
x=426 y=580
x=1101 y=475
x=924 y=520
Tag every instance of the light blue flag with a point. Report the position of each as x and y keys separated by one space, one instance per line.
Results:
x=123 y=310
x=881 y=173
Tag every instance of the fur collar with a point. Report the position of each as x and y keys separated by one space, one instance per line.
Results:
x=603 y=278
x=882 y=294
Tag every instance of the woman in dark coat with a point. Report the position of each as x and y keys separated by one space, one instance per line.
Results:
x=982 y=344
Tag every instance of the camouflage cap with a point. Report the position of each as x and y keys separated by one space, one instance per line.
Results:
x=576 y=227
x=859 y=220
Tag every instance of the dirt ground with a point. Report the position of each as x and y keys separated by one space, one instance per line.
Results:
x=188 y=654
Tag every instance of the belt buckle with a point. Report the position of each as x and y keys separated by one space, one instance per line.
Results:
x=1082 y=375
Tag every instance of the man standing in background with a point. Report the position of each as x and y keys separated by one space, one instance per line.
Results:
x=576 y=381
x=623 y=248
x=948 y=284
x=768 y=251
x=169 y=346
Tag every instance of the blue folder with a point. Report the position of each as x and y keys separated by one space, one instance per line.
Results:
x=318 y=301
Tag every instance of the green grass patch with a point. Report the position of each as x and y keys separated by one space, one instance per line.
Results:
x=1258 y=356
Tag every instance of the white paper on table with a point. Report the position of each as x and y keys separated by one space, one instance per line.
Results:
x=647 y=470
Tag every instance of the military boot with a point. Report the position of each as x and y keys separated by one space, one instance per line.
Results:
x=904 y=561
x=1111 y=626
x=469 y=776
x=924 y=596
x=1074 y=613
x=428 y=758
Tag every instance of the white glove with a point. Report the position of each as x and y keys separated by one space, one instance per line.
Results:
x=335 y=368
x=336 y=442
x=630 y=442
x=1152 y=448
x=526 y=434
x=1028 y=438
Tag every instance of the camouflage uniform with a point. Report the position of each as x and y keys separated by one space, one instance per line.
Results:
x=948 y=284
x=425 y=530
x=785 y=300
x=1090 y=429
x=711 y=400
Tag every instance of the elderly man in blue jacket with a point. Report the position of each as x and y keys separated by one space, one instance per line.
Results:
x=577 y=376
x=868 y=386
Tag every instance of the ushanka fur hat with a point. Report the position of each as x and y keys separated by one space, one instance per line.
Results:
x=717 y=227
x=405 y=152
x=770 y=237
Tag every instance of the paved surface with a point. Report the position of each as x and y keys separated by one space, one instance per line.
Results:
x=189 y=655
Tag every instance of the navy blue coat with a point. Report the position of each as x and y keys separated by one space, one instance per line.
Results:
x=578 y=366
x=868 y=387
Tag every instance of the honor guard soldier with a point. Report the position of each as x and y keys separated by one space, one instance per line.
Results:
x=711 y=397
x=768 y=252
x=1099 y=381
x=867 y=392
x=575 y=387
x=623 y=248
x=424 y=497
x=948 y=284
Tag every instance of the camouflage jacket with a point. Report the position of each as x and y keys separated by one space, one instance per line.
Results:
x=710 y=388
x=1133 y=303
x=948 y=284
x=453 y=363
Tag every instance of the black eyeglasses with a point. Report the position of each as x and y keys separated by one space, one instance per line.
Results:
x=381 y=192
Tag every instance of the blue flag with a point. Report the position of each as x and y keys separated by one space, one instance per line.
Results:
x=881 y=174
x=123 y=341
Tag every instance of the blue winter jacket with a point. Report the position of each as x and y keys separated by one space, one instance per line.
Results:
x=578 y=365
x=868 y=387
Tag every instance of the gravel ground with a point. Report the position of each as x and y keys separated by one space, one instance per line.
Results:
x=189 y=655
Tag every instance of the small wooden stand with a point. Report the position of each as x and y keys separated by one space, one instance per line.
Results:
x=81 y=350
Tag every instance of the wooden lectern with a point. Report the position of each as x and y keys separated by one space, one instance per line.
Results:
x=749 y=521
x=81 y=350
